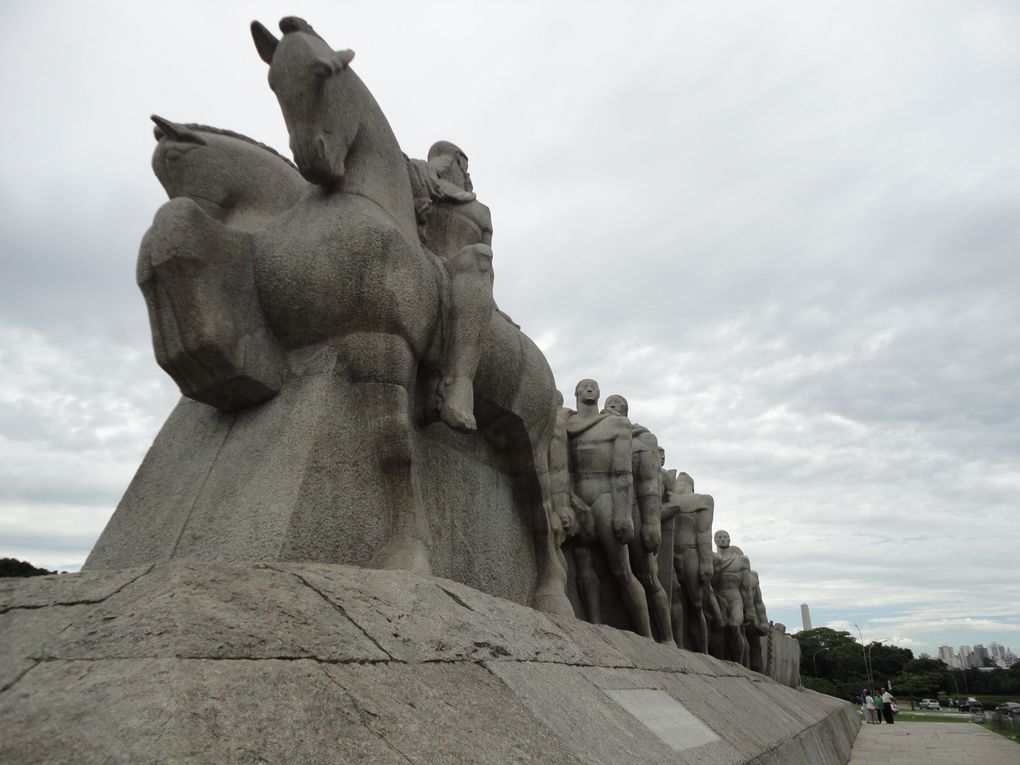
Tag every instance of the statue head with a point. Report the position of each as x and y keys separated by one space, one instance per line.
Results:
x=451 y=164
x=587 y=392
x=558 y=397
x=323 y=102
x=617 y=404
x=685 y=478
x=662 y=457
x=722 y=539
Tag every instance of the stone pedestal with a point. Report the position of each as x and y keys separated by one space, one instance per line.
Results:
x=194 y=662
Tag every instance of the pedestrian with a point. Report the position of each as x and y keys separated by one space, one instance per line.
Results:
x=878 y=708
x=887 y=705
x=869 y=708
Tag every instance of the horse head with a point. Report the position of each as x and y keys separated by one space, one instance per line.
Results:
x=321 y=99
x=222 y=171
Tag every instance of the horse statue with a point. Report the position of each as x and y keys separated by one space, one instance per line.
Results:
x=305 y=320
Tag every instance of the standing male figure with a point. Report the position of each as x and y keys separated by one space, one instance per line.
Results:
x=692 y=557
x=646 y=512
x=600 y=469
x=733 y=588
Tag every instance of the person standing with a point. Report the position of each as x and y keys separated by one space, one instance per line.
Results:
x=887 y=705
x=869 y=707
x=879 y=705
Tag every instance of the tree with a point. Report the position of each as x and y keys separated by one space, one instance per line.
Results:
x=15 y=567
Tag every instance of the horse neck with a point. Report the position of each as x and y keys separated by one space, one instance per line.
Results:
x=375 y=167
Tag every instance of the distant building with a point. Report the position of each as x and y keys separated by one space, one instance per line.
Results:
x=971 y=658
x=805 y=615
x=946 y=654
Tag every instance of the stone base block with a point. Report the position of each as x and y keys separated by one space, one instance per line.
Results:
x=205 y=662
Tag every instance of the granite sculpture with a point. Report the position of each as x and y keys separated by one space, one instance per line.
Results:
x=601 y=452
x=732 y=584
x=299 y=308
x=352 y=394
x=646 y=513
x=692 y=559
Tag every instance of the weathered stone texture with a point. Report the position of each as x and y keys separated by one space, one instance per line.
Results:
x=194 y=662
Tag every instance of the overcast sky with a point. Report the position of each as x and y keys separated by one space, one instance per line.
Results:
x=787 y=232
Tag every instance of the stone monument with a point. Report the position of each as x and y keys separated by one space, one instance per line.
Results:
x=732 y=584
x=314 y=339
x=329 y=552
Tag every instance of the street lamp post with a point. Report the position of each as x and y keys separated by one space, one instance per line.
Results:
x=867 y=662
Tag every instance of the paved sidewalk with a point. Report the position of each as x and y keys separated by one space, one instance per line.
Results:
x=932 y=744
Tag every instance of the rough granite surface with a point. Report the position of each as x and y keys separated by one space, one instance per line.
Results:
x=211 y=662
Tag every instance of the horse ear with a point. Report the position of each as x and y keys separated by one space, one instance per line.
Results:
x=175 y=131
x=341 y=59
x=265 y=42
x=164 y=128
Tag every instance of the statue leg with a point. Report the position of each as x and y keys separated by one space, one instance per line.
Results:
x=470 y=309
x=618 y=558
x=587 y=583
x=676 y=612
x=646 y=568
x=697 y=626
x=208 y=330
x=734 y=637
x=381 y=368
x=550 y=593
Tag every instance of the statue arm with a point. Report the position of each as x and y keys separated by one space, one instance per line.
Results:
x=745 y=596
x=646 y=486
x=622 y=487
x=703 y=541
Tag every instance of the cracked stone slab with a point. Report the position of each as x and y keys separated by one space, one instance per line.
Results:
x=580 y=714
x=236 y=662
x=418 y=619
x=450 y=713
x=192 y=609
x=64 y=589
x=87 y=712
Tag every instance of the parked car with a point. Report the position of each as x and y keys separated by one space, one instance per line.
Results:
x=968 y=703
x=1010 y=708
x=929 y=704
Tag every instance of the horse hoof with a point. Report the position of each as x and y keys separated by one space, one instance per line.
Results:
x=403 y=555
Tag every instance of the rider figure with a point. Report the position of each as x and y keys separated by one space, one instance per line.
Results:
x=458 y=228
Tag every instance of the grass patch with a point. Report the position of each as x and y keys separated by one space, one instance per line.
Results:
x=931 y=717
x=1008 y=733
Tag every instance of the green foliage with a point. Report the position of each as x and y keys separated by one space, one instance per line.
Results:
x=15 y=567
x=832 y=662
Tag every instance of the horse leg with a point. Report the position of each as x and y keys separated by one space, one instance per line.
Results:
x=468 y=318
x=208 y=330
x=381 y=369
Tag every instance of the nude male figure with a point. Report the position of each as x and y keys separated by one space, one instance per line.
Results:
x=692 y=557
x=600 y=468
x=733 y=589
x=646 y=511
x=454 y=225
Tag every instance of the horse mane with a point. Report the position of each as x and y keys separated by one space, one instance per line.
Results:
x=239 y=136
